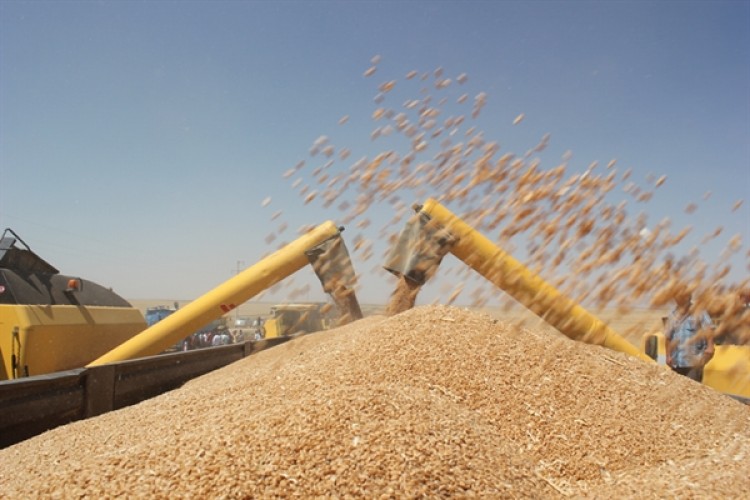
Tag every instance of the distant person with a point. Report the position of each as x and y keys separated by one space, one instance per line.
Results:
x=226 y=337
x=222 y=337
x=689 y=338
x=258 y=329
x=193 y=342
x=206 y=339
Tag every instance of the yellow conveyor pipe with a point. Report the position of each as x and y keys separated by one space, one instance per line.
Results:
x=222 y=299
x=525 y=286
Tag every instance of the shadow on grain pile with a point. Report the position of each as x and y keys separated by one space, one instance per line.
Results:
x=436 y=401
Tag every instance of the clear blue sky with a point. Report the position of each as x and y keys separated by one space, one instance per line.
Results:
x=138 y=139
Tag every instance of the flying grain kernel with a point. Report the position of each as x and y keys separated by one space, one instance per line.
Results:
x=735 y=243
x=444 y=83
x=456 y=292
x=343 y=119
x=387 y=86
x=370 y=71
x=713 y=235
x=737 y=205
x=518 y=119
x=265 y=202
x=363 y=224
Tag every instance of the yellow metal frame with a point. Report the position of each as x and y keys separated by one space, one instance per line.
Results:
x=46 y=339
x=221 y=299
x=525 y=286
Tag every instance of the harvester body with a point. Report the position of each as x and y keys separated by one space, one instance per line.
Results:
x=50 y=322
x=291 y=319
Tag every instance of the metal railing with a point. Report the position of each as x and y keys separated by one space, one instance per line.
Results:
x=33 y=405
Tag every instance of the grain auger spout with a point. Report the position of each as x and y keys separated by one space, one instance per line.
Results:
x=322 y=247
x=434 y=231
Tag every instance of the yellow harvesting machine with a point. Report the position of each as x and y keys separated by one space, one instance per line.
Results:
x=290 y=319
x=50 y=322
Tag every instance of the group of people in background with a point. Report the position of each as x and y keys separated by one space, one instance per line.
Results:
x=221 y=335
x=216 y=337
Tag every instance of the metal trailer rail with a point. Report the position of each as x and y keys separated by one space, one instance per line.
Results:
x=33 y=405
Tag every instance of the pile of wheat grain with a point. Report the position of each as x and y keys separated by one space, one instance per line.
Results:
x=436 y=401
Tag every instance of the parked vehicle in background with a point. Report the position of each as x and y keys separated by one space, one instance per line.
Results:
x=288 y=319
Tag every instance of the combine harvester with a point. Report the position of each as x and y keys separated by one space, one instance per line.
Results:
x=72 y=349
x=50 y=322
x=434 y=231
x=294 y=319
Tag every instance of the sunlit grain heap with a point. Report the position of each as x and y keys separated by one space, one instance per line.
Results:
x=436 y=401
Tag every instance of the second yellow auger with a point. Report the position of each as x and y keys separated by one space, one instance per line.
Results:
x=434 y=231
